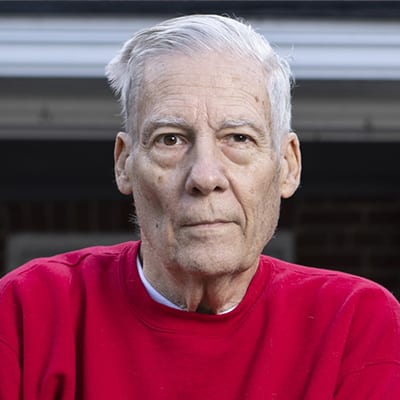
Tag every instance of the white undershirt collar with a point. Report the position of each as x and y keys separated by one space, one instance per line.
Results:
x=153 y=293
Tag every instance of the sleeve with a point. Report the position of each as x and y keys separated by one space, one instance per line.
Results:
x=371 y=360
x=9 y=373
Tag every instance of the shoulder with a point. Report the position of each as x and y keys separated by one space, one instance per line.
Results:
x=332 y=289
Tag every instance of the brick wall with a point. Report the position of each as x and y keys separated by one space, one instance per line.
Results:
x=358 y=235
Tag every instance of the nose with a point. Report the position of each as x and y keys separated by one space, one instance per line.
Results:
x=206 y=171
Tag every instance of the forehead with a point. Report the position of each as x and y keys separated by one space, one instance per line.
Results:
x=221 y=79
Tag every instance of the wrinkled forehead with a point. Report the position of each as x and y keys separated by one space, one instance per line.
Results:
x=204 y=74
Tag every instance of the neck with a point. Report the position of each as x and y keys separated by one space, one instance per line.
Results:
x=198 y=292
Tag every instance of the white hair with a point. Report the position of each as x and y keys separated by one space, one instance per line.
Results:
x=197 y=33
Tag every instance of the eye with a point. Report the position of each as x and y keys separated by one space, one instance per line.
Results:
x=240 y=138
x=169 y=139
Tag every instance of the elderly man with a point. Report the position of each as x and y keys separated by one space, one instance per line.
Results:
x=193 y=311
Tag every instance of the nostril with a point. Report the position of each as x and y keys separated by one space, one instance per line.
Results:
x=196 y=191
x=204 y=190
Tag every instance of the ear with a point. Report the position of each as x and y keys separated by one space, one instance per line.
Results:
x=290 y=165
x=122 y=149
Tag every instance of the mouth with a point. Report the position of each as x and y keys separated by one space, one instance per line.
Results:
x=207 y=223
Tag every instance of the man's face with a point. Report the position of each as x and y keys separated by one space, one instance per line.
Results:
x=204 y=175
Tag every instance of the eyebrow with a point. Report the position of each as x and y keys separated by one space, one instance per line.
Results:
x=238 y=123
x=172 y=122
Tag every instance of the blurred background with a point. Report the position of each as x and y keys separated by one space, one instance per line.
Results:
x=58 y=120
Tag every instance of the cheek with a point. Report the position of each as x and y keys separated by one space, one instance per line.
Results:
x=268 y=197
x=151 y=193
x=144 y=187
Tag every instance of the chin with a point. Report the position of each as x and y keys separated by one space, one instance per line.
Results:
x=221 y=261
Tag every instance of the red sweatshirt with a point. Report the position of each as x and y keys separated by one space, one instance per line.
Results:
x=82 y=326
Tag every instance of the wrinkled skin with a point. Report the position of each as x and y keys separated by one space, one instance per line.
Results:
x=206 y=178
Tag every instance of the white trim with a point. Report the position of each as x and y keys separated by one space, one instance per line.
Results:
x=80 y=47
